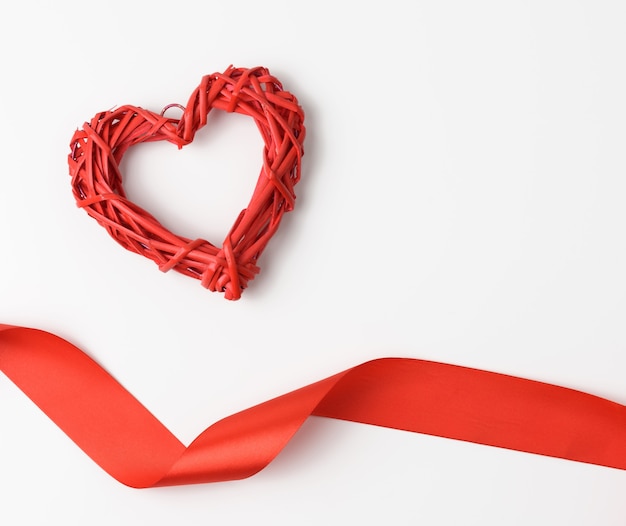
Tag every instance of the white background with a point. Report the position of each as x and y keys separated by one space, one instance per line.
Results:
x=462 y=200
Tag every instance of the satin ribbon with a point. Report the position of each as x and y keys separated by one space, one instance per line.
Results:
x=130 y=444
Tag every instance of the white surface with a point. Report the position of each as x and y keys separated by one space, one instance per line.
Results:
x=462 y=200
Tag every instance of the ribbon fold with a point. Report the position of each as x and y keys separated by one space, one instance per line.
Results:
x=129 y=443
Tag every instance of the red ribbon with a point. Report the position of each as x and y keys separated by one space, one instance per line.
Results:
x=130 y=444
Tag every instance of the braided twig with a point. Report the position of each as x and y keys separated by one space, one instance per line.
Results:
x=97 y=150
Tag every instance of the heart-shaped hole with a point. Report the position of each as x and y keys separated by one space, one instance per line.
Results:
x=194 y=191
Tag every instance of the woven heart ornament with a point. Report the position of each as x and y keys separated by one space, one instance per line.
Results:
x=97 y=183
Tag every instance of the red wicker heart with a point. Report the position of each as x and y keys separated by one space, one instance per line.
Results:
x=97 y=150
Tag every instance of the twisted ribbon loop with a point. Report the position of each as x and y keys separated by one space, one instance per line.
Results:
x=129 y=443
